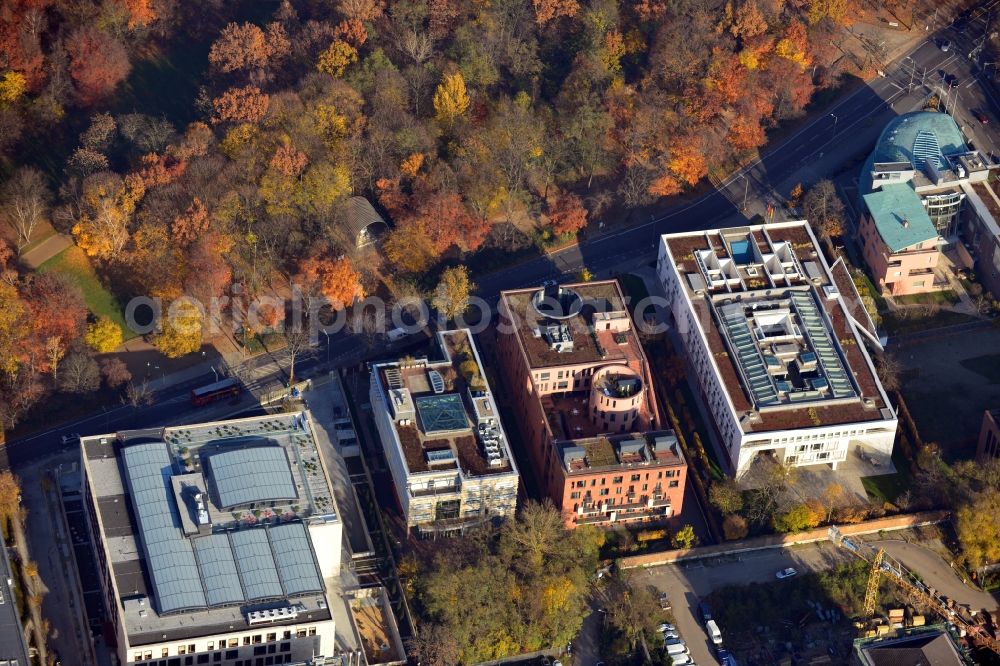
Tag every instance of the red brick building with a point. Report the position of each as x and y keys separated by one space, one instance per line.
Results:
x=581 y=386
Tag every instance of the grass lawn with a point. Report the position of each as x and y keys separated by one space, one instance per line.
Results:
x=987 y=365
x=943 y=297
x=888 y=487
x=73 y=263
x=896 y=326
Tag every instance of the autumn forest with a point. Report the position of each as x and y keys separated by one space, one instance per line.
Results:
x=477 y=128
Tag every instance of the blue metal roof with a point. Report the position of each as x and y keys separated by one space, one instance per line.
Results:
x=255 y=562
x=169 y=556
x=253 y=474
x=218 y=570
x=893 y=205
x=294 y=559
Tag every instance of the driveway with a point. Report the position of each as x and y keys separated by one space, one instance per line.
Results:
x=938 y=574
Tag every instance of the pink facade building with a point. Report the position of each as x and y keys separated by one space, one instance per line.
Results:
x=581 y=386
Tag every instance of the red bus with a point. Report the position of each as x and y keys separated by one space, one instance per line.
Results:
x=226 y=388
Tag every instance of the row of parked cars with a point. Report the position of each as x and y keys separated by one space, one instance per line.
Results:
x=714 y=635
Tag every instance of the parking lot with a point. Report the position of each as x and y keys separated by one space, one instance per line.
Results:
x=687 y=584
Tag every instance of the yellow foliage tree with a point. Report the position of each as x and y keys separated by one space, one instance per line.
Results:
x=451 y=99
x=103 y=227
x=330 y=125
x=10 y=496
x=12 y=86
x=451 y=297
x=336 y=59
x=411 y=165
x=835 y=10
x=181 y=329
x=104 y=335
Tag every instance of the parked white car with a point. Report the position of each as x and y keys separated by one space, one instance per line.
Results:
x=785 y=573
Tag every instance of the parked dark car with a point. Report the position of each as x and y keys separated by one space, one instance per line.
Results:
x=704 y=612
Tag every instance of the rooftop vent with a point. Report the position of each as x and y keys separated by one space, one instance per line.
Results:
x=271 y=615
x=906 y=223
x=558 y=336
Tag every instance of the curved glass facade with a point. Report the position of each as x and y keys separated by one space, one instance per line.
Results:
x=943 y=208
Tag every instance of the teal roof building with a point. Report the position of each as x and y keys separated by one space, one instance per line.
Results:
x=899 y=216
x=913 y=151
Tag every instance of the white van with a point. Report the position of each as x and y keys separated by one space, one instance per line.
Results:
x=713 y=632
x=679 y=659
x=396 y=334
x=677 y=649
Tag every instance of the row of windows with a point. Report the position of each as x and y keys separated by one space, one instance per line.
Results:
x=224 y=642
x=670 y=473
x=216 y=658
x=604 y=492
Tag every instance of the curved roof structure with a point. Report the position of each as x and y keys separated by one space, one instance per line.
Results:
x=914 y=137
x=363 y=221
x=255 y=474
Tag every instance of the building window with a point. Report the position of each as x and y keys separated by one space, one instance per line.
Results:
x=232 y=654
x=300 y=633
x=312 y=631
x=166 y=652
x=635 y=477
x=272 y=637
x=918 y=283
x=617 y=479
x=604 y=491
x=257 y=638
x=211 y=645
x=673 y=484
x=575 y=494
x=817 y=447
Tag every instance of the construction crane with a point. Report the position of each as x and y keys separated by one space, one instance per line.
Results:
x=882 y=563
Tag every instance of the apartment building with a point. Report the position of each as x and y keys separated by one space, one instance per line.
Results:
x=216 y=543
x=777 y=348
x=914 y=188
x=443 y=439
x=580 y=384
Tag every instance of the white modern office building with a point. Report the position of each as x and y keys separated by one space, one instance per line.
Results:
x=442 y=437
x=777 y=342
x=216 y=543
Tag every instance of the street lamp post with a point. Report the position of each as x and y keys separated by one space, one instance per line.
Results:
x=746 y=190
x=327 y=336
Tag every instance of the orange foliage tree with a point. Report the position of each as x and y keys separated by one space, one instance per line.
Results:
x=568 y=215
x=334 y=279
x=548 y=10
x=193 y=223
x=241 y=105
x=97 y=63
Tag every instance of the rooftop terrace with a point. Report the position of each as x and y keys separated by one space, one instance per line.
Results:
x=621 y=451
x=445 y=417
x=563 y=333
x=205 y=523
x=776 y=327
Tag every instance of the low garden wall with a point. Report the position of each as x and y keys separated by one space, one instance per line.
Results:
x=901 y=522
